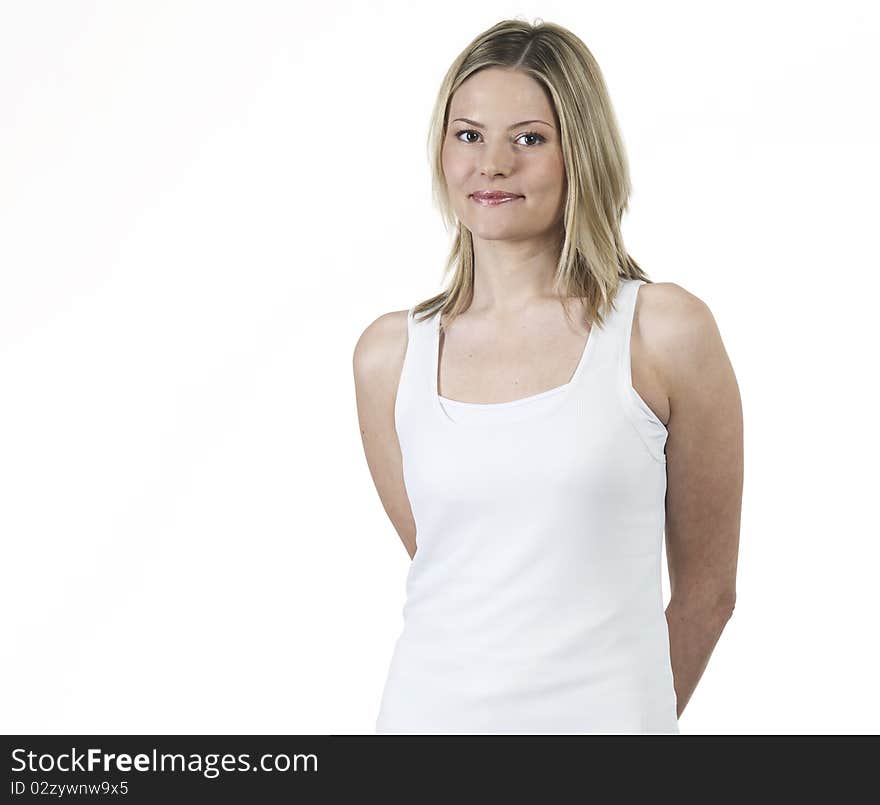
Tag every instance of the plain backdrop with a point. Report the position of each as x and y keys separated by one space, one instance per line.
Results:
x=203 y=205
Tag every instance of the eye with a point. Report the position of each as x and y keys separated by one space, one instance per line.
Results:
x=540 y=138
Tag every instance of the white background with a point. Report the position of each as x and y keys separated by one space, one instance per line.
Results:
x=202 y=206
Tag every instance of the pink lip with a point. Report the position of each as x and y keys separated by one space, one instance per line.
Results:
x=494 y=196
x=494 y=200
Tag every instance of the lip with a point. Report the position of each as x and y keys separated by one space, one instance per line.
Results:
x=494 y=199
x=493 y=195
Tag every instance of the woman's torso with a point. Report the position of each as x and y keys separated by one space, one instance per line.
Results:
x=534 y=599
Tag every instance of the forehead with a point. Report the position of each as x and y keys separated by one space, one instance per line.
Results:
x=500 y=96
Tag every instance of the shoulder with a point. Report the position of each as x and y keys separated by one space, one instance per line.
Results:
x=679 y=332
x=381 y=346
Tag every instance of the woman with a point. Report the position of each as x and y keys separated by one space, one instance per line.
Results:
x=530 y=458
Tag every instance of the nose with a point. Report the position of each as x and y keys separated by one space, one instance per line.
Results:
x=496 y=160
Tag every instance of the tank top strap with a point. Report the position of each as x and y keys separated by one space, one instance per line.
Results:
x=629 y=295
x=414 y=387
x=622 y=324
x=620 y=319
x=611 y=339
x=643 y=419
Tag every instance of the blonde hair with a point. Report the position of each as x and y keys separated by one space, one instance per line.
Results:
x=592 y=258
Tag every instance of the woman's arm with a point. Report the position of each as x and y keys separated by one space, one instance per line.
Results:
x=376 y=364
x=704 y=466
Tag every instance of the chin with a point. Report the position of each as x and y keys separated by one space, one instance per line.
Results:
x=494 y=233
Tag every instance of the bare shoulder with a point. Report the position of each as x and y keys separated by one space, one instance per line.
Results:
x=380 y=349
x=679 y=333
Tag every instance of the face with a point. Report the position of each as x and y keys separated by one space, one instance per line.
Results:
x=491 y=153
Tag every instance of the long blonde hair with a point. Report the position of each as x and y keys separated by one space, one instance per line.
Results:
x=592 y=258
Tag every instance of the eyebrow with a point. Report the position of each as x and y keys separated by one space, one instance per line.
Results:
x=481 y=126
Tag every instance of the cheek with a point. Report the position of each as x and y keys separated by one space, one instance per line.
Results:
x=552 y=170
x=552 y=174
x=453 y=166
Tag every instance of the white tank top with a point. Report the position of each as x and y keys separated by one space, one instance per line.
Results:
x=534 y=600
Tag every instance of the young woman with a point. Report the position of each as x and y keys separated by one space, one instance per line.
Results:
x=533 y=429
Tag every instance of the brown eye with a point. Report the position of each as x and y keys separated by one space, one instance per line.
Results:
x=533 y=134
x=540 y=138
x=465 y=131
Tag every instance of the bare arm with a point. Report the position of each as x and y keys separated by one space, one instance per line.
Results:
x=377 y=362
x=704 y=453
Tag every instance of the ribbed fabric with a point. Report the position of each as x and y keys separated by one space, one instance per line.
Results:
x=534 y=600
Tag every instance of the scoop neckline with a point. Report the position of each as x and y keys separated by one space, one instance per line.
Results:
x=509 y=403
x=560 y=393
